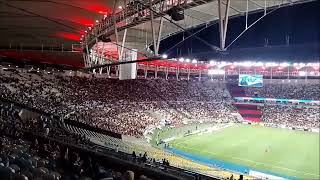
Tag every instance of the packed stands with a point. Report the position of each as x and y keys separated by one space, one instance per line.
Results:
x=292 y=115
x=125 y=107
x=128 y=108
x=54 y=152
x=289 y=90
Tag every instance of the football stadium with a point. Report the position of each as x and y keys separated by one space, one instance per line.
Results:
x=168 y=90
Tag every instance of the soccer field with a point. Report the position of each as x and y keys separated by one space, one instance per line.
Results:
x=280 y=151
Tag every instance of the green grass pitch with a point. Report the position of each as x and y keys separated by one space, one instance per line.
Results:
x=291 y=153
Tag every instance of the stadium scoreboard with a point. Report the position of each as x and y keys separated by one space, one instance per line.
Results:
x=250 y=80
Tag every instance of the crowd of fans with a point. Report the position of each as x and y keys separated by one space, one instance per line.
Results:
x=292 y=115
x=128 y=107
x=303 y=90
x=125 y=107
x=24 y=157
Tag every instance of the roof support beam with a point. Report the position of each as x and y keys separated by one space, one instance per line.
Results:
x=159 y=36
x=233 y=8
x=223 y=22
x=122 y=44
x=254 y=2
x=247 y=12
x=152 y=28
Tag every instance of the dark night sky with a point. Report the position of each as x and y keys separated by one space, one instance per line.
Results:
x=301 y=22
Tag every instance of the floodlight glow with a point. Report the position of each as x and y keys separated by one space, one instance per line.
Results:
x=120 y=7
x=194 y=61
x=270 y=64
x=187 y=60
x=223 y=63
x=247 y=64
x=295 y=64
x=181 y=59
x=97 y=21
x=164 y=56
x=302 y=73
x=285 y=64
x=212 y=63
x=302 y=64
x=259 y=64
x=216 y=72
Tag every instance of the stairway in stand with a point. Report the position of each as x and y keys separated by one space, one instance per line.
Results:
x=249 y=112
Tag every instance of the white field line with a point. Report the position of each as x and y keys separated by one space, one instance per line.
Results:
x=248 y=160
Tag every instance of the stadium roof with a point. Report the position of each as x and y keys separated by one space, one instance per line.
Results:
x=54 y=22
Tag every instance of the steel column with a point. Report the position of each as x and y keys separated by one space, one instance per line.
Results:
x=226 y=18
x=247 y=11
x=122 y=44
x=152 y=28
x=220 y=23
x=223 y=23
x=159 y=36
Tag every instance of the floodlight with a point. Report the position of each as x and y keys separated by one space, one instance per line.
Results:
x=302 y=73
x=246 y=64
x=181 y=59
x=212 y=63
x=194 y=61
x=223 y=63
x=269 y=64
x=187 y=60
x=284 y=64
x=259 y=64
x=215 y=72
x=164 y=56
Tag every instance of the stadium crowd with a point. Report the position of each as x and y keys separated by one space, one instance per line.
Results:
x=128 y=107
x=303 y=90
x=23 y=156
x=292 y=115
